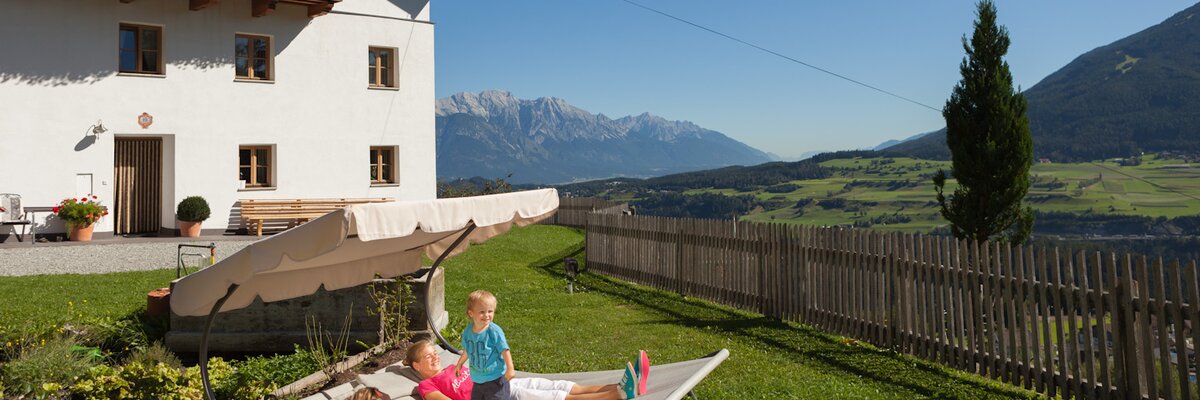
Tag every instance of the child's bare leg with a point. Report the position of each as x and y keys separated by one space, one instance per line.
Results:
x=603 y=395
x=582 y=389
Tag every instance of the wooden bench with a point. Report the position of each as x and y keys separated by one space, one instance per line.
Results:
x=296 y=211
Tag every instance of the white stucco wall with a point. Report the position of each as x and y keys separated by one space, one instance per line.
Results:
x=58 y=76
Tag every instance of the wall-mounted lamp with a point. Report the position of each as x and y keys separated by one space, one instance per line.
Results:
x=98 y=128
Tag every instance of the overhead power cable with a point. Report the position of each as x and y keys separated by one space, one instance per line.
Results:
x=843 y=77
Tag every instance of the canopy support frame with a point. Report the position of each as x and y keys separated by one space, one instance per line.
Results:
x=212 y=315
x=429 y=290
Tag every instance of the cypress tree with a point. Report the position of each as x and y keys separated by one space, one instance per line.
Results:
x=990 y=144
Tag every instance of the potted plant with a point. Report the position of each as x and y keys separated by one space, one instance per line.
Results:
x=191 y=212
x=80 y=216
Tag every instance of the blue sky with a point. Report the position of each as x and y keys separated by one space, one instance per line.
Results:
x=610 y=57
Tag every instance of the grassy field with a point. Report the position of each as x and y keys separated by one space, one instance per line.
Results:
x=891 y=190
x=49 y=300
x=605 y=324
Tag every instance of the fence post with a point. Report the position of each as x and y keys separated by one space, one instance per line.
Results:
x=679 y=256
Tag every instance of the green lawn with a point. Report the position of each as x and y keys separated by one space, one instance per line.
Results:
x=45 y=300
x=603 y=326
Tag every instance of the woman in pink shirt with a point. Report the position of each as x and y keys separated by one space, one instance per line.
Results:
x=441 y=384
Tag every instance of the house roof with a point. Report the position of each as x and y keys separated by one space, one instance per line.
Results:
x=261 y=8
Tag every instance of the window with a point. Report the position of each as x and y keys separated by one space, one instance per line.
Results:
x=380 y=64
x=252 y=57
x=254 y=165
x=383 y=163
x=140 y=49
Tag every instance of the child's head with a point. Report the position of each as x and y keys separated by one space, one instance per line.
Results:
x=481 y=307
x=369 y=393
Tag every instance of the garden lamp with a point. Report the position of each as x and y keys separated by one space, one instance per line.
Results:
x=572 y=267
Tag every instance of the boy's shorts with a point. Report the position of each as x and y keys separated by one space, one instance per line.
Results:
x=497 y=389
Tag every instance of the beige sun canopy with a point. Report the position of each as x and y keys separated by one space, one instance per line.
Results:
x=350 y=247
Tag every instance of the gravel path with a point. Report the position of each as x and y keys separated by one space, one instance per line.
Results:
x=102 y=258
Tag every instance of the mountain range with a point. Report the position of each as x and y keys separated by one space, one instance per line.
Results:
x=547 y=140
x=1137 y=94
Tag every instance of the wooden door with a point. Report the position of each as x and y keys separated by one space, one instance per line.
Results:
x=137 y=177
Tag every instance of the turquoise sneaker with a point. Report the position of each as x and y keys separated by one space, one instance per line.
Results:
x=628 y=383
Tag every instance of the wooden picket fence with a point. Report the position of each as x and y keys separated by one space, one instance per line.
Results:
x=573 y=211
x=1069 y=324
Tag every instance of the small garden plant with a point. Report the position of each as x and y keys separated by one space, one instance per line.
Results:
x=192 y=209
x=81 y=212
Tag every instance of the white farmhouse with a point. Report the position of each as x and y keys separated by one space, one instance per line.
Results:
x=145 y=102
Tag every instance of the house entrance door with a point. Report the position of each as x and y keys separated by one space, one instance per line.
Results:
x=137 y=179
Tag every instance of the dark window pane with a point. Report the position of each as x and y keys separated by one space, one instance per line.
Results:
x=240 y=65
x=260 y=69
x=264 y=156
x=241 y=47
x=385 y=58
x=374 y=172
x=260 y=48
x=374 y=154
x=149 y=61
x=371 y=76
x=371 y=57
x=263 y=178
x=128 y=60
x=244 y=174
x=149 y=39
x=384 y=77
x=387 y=173
x=128 y=38
x=387 y=156
x=243 y=156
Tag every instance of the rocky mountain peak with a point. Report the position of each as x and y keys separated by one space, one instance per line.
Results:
x=548 y=140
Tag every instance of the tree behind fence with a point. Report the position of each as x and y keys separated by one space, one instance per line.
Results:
x=1084 y=325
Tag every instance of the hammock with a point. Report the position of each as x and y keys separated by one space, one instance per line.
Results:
x=667 y=381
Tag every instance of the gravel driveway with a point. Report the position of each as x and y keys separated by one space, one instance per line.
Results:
x=53 y=258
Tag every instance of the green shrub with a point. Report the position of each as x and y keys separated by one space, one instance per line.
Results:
x=192 y=209
x=117 y=337
x=275 y=371
x=42 y=369
x=102 y=382
x=140 y=380
x=155 y=353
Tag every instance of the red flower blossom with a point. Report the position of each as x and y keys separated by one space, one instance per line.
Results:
x=55 y=209
x=83 y=199
x=94 y=197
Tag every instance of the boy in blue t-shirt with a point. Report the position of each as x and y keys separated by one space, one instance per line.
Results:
x=483 y=342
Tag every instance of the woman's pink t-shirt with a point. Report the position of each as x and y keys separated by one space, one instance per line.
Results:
x=456 y=388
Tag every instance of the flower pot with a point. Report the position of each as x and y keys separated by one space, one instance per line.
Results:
x=158 y=302
x=81 y=234
x=189 y=229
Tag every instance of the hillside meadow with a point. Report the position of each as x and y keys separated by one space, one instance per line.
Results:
x=896 y=193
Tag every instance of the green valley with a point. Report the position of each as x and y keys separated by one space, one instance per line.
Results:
x=896 y=193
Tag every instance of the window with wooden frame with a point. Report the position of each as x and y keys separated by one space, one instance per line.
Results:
x=252 y=57
x=254 y=166
x=383 y=165
x=381 y=63
x=139 y=49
